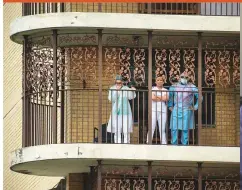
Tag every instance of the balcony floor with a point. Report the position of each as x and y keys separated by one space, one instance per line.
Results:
x=61 y=159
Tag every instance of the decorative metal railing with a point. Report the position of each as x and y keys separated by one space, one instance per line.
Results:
x=66 y=78
x=213 y=9
x=166 y=177
x=77 y=115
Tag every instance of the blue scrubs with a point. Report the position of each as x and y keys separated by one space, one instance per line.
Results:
x=181 y=99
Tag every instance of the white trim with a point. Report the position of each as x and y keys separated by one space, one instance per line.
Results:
x=118 y=21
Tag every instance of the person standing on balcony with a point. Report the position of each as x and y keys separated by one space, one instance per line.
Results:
x=182 y=107
x=121 y=121
x=159 y=109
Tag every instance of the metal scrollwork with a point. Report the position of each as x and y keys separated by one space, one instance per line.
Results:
x=83 y=63
x=174 y=185
x=85 y=39
x=188 y=185
x=90 y=62
x=160 y=185
x=61 y=67
x=124 y=184
x=139 y=70
x=125 y=40
x=189 y=58
x=111 y=58
x=77 y=62
x=210 y=66
x=174 y=59
x=236 y=69
x=224 y=75
x=139 y=184
x=39 y=69
x=225 y=186
x=110 y=184
x=236 y=186
x=210 y=185
x=124 y=57
x=160 y=63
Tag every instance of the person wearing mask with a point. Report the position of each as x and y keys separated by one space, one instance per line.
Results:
x=121 y=121
x=182 y=106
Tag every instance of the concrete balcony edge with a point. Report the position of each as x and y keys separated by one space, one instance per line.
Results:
x=28 y=25
x=49 y=159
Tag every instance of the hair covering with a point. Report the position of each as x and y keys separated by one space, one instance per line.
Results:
x=184 y=74
x=118 y=77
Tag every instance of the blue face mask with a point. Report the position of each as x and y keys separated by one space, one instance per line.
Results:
x=183 y=81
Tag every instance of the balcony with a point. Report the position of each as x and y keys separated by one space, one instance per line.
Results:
x=67 y=102
x=205 y=9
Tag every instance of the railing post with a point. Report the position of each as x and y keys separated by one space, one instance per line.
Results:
x=54 y=113
x=149 y=175
x=199 y=131
x=199 y=176
x=199 y=8
x=149 y=8
x=149 y=87
x=25 y=98
x=90 y=178
x=100 y=85
x=99 y=175
x=62 y=7
x=99 y=7
x=62 y=123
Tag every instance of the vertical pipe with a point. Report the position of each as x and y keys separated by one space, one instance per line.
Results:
x=199 y=87
x=25 y=98
x=199 y=176
x=62 y=98
x=149 y=87
x=149 y=175
x=54 y=113
x=100 y=85
x=91 y=175
x=99 y=175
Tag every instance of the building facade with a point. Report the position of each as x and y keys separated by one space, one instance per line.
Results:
x=12 y=108
x=71 y=55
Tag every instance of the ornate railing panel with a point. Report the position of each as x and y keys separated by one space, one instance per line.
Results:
x=77 y=82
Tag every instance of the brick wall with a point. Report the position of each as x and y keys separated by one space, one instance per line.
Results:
x=12 y=106
x=224 y=132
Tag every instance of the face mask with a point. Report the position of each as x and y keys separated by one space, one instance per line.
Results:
x=183 y=81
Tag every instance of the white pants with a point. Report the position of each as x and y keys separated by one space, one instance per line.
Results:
x=121 y=125
x=156 y=116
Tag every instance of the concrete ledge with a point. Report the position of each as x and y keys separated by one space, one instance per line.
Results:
x=137 y=22
x=49 y=159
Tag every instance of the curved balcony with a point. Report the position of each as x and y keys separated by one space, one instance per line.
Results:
x=66 y=78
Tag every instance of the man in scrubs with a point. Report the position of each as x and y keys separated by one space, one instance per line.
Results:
x=182 y=106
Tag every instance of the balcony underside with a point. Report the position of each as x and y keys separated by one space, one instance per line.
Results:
x=122 y=23
x=59 y=160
